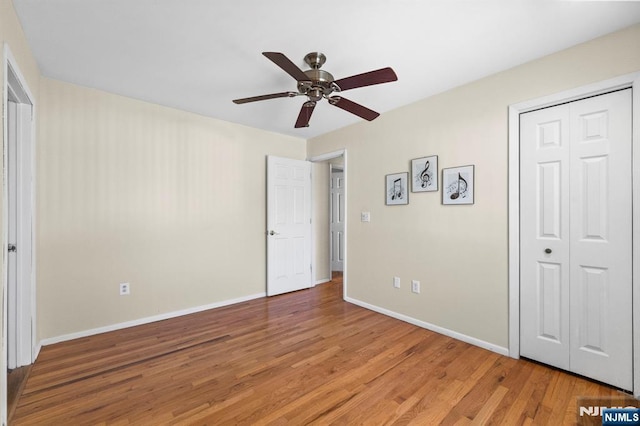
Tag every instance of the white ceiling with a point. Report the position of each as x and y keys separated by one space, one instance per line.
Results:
x=198 y=55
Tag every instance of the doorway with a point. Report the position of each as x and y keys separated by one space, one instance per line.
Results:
x=330 y=217
x=18 y=237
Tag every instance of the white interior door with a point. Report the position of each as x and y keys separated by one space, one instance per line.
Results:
x=544 y=277
x=576 y=223
x=13 y=319
x=288 y=225
x=19 y=235
x=337 y=220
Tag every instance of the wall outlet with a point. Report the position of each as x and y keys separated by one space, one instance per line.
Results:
x=415 y=286
x=125 y=289
x=396 y=282
x=365 y=217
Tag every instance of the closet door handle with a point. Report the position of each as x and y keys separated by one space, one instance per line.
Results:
x=547 y=250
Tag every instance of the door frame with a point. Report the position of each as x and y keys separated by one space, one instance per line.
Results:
x=317 y=159
x=15 y=82
x=622 y=82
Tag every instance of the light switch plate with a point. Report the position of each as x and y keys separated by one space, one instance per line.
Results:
x=365 y=217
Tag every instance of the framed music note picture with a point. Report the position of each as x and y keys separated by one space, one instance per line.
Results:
x=457 y=185
x=397 y=189
x=424 y=174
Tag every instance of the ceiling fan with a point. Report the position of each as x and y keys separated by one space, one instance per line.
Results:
x=316 y=84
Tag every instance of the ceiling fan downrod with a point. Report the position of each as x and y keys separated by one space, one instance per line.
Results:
x=315 y=60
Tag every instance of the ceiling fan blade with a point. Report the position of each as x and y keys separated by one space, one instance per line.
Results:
x=285 y=63
x=353 y=108
x=265 y=97
x=384 y=75
x=305 y=114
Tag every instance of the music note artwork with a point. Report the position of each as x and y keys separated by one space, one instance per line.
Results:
x=424 y=172
x=458 y=185
x=425 y=175
x=396 y=189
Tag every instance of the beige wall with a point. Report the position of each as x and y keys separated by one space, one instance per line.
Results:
x=169 y=201
x=459 y=253
x=11 y=33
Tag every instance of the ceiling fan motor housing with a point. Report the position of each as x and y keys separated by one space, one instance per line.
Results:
x=320 y=82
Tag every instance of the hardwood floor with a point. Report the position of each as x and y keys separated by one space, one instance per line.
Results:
x=16 y=379
x=301 y=358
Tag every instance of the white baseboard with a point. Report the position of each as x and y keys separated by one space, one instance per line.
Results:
x=459 y=336
x=147 y=320
x=36 y=351
x=322 y=281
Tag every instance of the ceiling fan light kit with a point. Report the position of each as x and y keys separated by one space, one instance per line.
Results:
x=317 y=84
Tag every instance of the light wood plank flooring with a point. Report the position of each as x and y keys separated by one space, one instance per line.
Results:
x=301 y=358
x=16 y=379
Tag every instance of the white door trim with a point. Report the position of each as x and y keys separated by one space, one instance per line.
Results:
x=15 y=82
x=622 y=82
x=325 y=157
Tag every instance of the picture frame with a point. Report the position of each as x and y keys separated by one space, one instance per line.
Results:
x=458 y=185
x=424 y=174
x=396 y=189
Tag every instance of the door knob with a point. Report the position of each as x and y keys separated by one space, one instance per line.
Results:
x=547 y=250
x=272 y=232
x=12 y=248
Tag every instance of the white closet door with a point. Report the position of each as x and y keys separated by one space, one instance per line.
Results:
x=576 y=305
x=544 y=246
x=601 y=303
